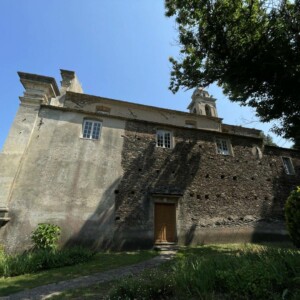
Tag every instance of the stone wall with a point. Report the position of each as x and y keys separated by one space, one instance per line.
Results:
x=102 y=193
x=66 y=180
x=219 y=198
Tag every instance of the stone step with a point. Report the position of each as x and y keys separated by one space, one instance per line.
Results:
x=166 y=247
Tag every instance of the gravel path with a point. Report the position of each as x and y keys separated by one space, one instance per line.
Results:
x=46 y=291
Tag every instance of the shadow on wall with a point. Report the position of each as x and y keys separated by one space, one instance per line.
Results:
x=190 y=234
x=271 y=226
x=122 y=219
x=150 y=170
x=97 y=231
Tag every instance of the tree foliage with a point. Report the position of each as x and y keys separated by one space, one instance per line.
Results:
x=251 y=48
x=296 y=145
x=268 y=140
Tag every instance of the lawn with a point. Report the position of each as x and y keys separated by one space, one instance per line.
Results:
x=99 y=263
x=231 y=271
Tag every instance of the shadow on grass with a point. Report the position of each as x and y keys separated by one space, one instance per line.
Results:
x=100 y=262
x=219 y=272
x=210 y=250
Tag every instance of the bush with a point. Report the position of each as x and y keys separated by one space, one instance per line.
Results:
x=46 y=236
x=292 y=216
x=42 y=259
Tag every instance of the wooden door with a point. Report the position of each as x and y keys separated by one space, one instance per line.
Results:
x=165 y=223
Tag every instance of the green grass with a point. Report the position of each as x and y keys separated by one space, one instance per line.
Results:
x=160 y=281
x=219 y=272
x=42 y=259
x=99 y=263
x=229 y=269
x=247 y=272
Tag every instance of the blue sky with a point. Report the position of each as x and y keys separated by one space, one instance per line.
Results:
x=119 y=49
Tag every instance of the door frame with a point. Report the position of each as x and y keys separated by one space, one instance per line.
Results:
x=165 y=199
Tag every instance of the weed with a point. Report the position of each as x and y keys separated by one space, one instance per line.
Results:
x=34 y=261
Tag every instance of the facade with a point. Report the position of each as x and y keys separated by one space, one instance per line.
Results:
x=120 y=175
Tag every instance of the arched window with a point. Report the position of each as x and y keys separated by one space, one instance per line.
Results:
x=194 y=110
x=207 y=110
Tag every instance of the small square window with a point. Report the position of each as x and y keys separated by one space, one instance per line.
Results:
x=91 y=129
x=288 y=165
x=163 y=139
x=223 y=147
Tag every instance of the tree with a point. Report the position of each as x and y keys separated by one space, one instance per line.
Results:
x=296 y=145
x=268 y=140
x=251 y=48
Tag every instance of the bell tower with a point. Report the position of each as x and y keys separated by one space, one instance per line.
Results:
x=203 y=104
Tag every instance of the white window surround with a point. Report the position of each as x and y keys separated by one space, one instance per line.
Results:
x=91 y=129
x=223 y=146
x=288 y=165
x=164 y=139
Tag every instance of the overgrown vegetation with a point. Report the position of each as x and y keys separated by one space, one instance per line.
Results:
x=44 y=254
x=249 y=48
x=153 y=284
x=251 y=272
x=292 y=216
x=100 y=262
x=46 y=236
x=35 y=261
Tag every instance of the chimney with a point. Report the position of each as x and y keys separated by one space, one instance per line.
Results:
x=70 y=82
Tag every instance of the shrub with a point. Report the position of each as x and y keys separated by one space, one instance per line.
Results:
x=42 y=259
x=292 y=216
x=46 y=236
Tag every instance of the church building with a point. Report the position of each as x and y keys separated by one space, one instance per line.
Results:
x=119 y=175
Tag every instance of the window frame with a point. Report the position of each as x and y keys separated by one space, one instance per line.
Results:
x=289 y=170
x=91 y=133
x=164 y=139
x=229 y=150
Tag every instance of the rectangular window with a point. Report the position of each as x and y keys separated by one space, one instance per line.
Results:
x=190 y=124
x=163 y=139
x=288 y=165
x=91 y=129
x=223 y=147
x=102 y=109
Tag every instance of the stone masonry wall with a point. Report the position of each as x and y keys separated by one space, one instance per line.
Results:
x=224 y=198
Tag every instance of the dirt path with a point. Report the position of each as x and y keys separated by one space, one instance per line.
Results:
x=46 y=291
